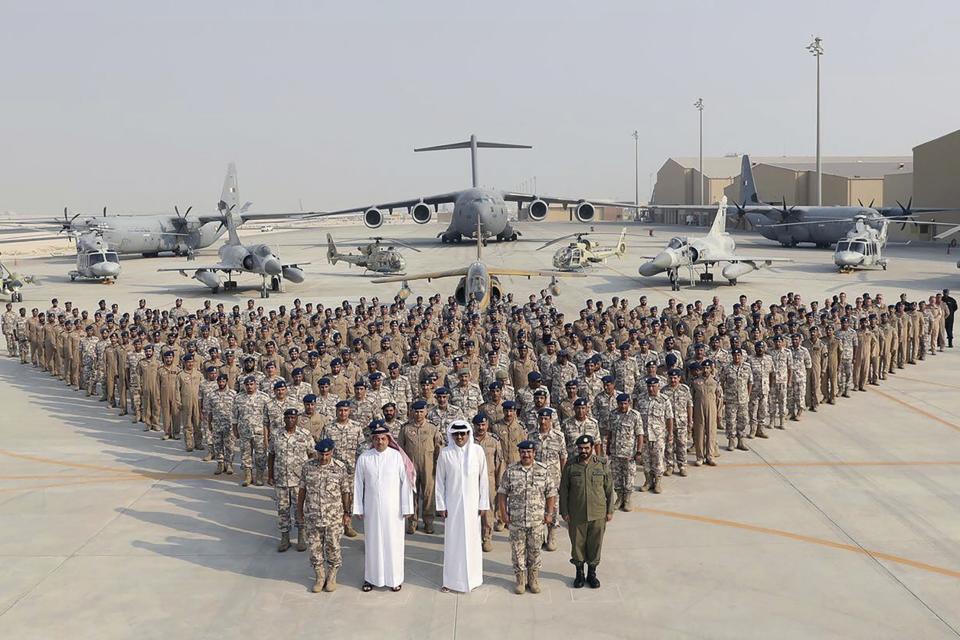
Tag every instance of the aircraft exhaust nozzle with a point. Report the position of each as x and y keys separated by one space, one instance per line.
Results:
x=293 y=274
x=105 y=269
x=847 y=258
x=272 y=267
x=209 y=278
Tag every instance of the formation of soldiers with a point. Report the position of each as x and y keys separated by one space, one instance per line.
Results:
x=296 y=389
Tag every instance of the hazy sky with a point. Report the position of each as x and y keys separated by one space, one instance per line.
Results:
x=139 y=106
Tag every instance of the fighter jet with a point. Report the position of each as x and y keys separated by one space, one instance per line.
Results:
x=12 y=282
x=179 y=233
x=796 y=224
x=716 y=246
x=236 y=257
x=470 y=206
x=479 y=283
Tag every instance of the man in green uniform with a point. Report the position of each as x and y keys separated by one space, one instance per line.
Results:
x=586 y=505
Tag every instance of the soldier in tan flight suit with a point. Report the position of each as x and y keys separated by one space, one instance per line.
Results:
x=167 y=392
x=149 y=406
x=188 y=404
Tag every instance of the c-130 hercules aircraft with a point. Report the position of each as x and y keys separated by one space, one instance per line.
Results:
x=476 y=208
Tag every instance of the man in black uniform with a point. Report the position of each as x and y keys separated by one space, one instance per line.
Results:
x=586 y=505
x=951 y=303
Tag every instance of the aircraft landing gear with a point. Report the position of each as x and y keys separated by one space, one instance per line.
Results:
x=450 y=238
x=264 y=290
x=733 y=282
x=674 y=280
x=275 y=283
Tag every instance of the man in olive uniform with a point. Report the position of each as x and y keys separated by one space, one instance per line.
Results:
x=421 y=441
x=323 y=506
x=493 y=451
x=188 y=403
x=586 y=505
x=526 y=500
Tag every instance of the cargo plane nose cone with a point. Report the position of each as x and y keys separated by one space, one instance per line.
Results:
x=272 y=267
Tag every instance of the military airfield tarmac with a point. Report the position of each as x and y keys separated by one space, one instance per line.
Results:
x=844 y=525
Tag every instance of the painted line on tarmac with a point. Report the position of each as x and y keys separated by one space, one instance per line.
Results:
x=877 y=555
x=926 y=414
x=118 y=471
x=40 y=487
x=936 y=384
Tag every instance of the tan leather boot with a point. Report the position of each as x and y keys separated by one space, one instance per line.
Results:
x=219 y=469
x=647 y=482
x=318 y=583
x=656 y=484
x=301 y=540
x=247 y=478
x=551 y=541
x=228 y=469
x=284 y=541
x=331 y=584
x=533 y=580
x=521 y=585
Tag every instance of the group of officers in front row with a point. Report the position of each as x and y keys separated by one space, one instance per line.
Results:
x=574 y=457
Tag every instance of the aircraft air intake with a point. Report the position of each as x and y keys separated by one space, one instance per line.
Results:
x=537 y=210
x=585 y=212
x=421 y=213
x=373 y=218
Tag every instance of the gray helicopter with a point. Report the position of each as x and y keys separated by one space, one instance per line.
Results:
x=374 y=256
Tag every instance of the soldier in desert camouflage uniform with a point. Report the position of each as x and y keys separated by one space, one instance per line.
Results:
x=551 y=451
x=348 y=438
x=681 y=399
x=657 y=414
x=250 y=425
x=761 y=368
x=323 y=506
x=290 y=448
x=800 y=364
x=736 y=380
x=624 y=447
x=217 y=415
x=526 y=501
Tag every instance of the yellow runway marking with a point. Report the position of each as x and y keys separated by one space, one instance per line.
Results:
x=936 y=384
x=126 y=478
x=155 y=475
x=842 y=463
x=880 y=555
x=926 y=414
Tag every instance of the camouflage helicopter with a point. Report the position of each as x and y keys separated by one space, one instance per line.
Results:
x=11 y=282
x=583 y=251
x=373 y=257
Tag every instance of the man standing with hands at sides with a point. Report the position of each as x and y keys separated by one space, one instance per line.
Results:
x=526 y=500
x=383 y=497
x=586 y=505
x=462 y=493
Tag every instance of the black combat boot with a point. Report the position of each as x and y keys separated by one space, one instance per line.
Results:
x=578 y=581
x=592 y=577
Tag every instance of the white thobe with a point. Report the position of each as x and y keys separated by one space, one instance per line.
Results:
x=383 y=496
x=462 y=490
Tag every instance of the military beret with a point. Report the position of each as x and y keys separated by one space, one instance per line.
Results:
x=736 y=350
x=359 y=383
x=228 y=352
x=607 y=378
x=210 y=368
x=335 y=362
x=309 y=398
x=269 y=364
x=585 y=439
x=458 y=358
x=324 y=381
x=545 y=412
x=376 y=375
x=480 y=417
x=580 y=402
x=644 y=341
x=291 y=412
x=391 y=403
x=324 y=445
x=441 y=391
x=527 y=444
x=695 y=366
x=777 y=337
x=222 y=376
x=377 y=427
x=393 y=365
x=540 y=392
x=595 y=359
x=623 y=397
x=707 y=363
x=495 y=385
x=249 y=379
x=572 y=383
x=471 y=343
x=508 y=404
x=371 y=360
x=343 y=404
x=357 y=341
x=248 y=359
x=419 y=404
x=675 y=372
x=463 y=372
x=313 y=354
x=651 y=363
x=297 y=372
x=625 y=346
x=188 y=357
x=652 y=380
x=671 y=359
x=280 y=384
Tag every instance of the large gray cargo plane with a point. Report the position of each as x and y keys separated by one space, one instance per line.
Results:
x=179 y=233
x=476 y=208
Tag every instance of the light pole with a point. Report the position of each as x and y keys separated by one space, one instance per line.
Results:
x=636 y=167
x=816 y=48
x=699 y=105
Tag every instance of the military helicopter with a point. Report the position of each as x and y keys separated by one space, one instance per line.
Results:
x=373 y=257
x=95 y=260
x=583 y=251
x=863 y=247
x=11 y=282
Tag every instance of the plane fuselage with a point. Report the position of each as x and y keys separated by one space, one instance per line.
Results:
x=152 y=234
x=485 y=205
x=826 y=225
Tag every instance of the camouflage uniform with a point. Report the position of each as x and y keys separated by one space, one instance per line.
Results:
x=324 y=486
x=778 y=390
x=573 y=429
x=402 y=394
x=655 y=411
x=443 y=417
x=421 y=444
x=9 y=331
x=275 y=409
x=761 y=368
x=348 y=441
x=21 y=331
x=602 y=407
x=735 y=380
x=207 y=387
x=624 y=429
x=218 y=409
x=680 y=398
x=551 y=449
x=848 y=343
x=88 y=360
x=527 y=490
x=800 y=362
x=250 y=416
x=99 y=368
x=290 y=449
x=626 y=371
x=135 y=384
x=467 y=398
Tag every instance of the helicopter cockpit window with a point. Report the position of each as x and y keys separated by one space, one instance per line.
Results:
x=858 y=247
x=112 y=257
x=843 y=245
x=96 y=258
x=676 y=243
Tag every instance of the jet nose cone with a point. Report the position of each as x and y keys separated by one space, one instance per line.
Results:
x=847 y=258
x=664 y=260
x=272 y=267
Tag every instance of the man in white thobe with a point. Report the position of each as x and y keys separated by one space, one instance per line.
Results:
x=383 y=498
x=462 y=494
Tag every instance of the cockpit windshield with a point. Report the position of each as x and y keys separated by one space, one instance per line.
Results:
x=843 y=245
x=858 y=247
x=676 y=243
x=477 y=285
x=263 y=251
x=112 y=257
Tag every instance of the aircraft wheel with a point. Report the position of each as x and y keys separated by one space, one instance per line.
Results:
x=513 y=238
x=73 y=278
x=733 y=282
x=215 y=290
x=264 y=293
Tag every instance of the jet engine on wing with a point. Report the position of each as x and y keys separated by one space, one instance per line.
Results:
x=421 y=213
x=537 y=210
x=373 y=218
x=585 y=212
